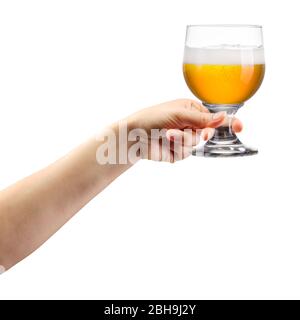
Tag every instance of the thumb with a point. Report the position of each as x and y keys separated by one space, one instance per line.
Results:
x=199 y=120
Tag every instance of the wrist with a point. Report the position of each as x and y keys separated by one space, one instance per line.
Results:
x=124 y=144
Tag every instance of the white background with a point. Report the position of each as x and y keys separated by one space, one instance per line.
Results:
x=199 y=229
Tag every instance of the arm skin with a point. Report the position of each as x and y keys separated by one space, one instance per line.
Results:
x=34 y=208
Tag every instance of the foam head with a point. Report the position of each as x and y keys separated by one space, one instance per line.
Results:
x=224 y=55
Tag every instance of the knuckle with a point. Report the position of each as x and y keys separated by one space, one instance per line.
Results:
x=189 y=105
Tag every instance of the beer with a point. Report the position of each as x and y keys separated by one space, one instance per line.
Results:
x=223 y=75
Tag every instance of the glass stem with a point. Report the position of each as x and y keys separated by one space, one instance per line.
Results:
x=224 y=134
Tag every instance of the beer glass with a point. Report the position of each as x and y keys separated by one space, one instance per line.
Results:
x=224 y=66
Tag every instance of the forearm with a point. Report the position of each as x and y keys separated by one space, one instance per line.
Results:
x=36 y=207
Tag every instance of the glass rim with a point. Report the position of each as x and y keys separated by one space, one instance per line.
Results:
x=225 y=26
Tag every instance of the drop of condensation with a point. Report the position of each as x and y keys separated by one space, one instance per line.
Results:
x=2 y=269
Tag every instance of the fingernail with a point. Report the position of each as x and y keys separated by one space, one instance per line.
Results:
x=210 y=135
x=204 y=135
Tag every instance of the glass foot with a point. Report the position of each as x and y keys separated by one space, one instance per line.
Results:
x=235 y=149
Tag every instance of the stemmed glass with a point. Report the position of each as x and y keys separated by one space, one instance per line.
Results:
x=224 y=66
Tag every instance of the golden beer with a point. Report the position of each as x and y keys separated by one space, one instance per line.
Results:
x=223 y=66
x=223 y=76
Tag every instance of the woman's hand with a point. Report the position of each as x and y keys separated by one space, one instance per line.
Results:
x=176 y=116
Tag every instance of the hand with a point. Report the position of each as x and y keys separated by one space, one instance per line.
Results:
x=175 y=116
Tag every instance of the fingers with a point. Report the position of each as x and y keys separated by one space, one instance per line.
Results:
x=204 y=119
x=192 y=118
x=195 y=115
x=212 y=120
x=188 y=137
x=182 y=142
x=198 y=105
x=189 y=104
x=237 y=125
x=207 y=133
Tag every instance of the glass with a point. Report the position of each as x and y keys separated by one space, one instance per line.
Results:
x=224 y=66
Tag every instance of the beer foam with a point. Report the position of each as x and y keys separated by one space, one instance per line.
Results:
x=225 y=54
